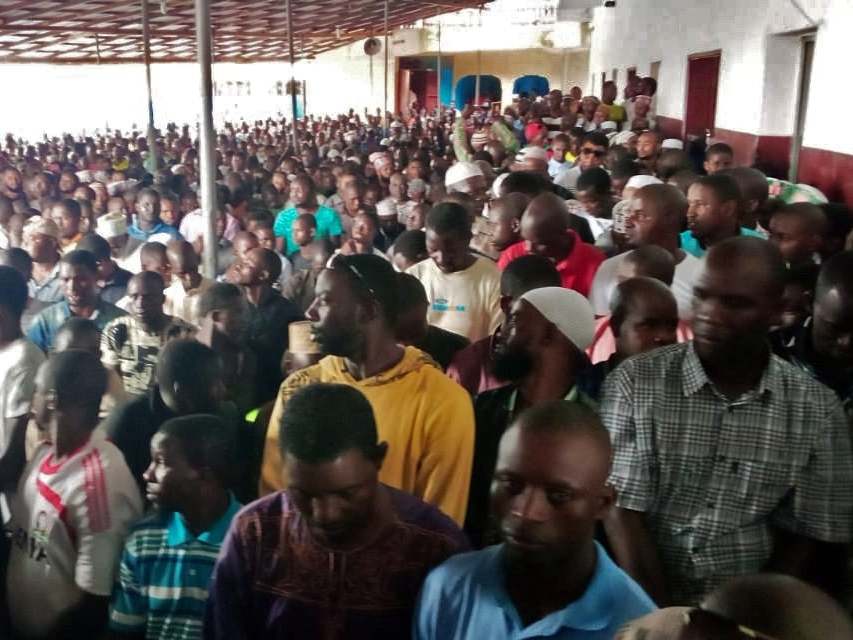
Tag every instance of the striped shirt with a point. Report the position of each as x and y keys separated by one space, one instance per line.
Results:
x=161 y=589
x=715 y=476
x=69 y=517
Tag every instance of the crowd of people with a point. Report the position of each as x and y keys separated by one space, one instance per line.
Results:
x=458 y=375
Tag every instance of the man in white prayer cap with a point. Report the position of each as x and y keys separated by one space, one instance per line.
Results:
x=112 y=227
x=531 y=158
x=466 y=177
x=541 y=355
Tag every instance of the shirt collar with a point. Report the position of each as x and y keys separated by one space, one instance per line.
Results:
x=572 y=396
x=693 y=376
x=566 y=262
x=178 y=533
x=593 y=611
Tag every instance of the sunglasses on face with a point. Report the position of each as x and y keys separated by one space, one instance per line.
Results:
x=598 y=153
x=701 y=624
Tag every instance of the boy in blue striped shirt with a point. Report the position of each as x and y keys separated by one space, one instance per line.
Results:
x=168 y=557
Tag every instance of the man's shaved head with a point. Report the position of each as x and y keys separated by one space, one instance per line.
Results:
x=77 y=378
x=836 y=273
x=511 y=205
x=544 y=227
x=753 y=256
x=810 y=216
x=666 y=199
x=781 y=607
x=546 y=212
x=570 y=419
x=753 y=184
x=152 y=253
x=650 y=261
x=181 y=255
x=244 y=242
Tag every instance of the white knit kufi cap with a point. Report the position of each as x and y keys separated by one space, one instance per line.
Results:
x=111 y=225
x=640 y=181
x=386 y=208
x=672 y=143
x=567 y=310
x=531 y=153
x=461 y=171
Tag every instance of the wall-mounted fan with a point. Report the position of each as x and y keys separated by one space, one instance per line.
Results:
x=372 y=46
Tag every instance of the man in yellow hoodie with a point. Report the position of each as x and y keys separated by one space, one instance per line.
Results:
x=426 y=418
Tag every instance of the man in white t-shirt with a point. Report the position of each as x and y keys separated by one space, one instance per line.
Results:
x=74 y=504
x=188 y=284
x=657 y=213
x=463 y=289
x=19 y=361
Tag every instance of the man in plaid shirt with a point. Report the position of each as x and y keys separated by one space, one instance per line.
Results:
x=727 y=460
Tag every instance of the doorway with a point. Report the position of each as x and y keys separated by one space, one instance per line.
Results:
x=806 y=59
x=417 y=82
x=703 y=74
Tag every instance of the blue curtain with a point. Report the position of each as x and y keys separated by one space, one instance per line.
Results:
x=490 y=90
x=533 y=86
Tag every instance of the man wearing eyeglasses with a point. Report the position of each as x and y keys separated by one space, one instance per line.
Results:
x=426 y=418
x=593 y=151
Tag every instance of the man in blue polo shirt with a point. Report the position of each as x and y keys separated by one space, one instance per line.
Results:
x=168 y=558
x=148 y=226
x=549 y=579
x=713 y=214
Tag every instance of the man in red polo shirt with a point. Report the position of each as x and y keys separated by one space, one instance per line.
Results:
x=545 y=231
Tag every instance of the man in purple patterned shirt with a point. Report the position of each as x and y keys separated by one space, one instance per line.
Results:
x=337 y=555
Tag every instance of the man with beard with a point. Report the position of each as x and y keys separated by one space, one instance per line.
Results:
x=549 y=578
x=338 y=555
x=728 y=460
x=169 y=556
x=426 y=419
x=473 y=366
x=542 y=355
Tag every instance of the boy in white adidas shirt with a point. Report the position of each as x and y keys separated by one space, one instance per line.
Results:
x=74 y=504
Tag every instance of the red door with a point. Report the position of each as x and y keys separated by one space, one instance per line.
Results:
x=703 y=72
x=431 y=90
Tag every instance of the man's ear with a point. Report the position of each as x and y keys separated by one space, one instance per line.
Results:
x=379 y=456
x=730 y=208
x=606 y=501
x=515 y=225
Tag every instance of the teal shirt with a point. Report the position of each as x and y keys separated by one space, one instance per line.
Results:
x=162 y=584
x=46 y=324
x=691 y=245
x=328 y=225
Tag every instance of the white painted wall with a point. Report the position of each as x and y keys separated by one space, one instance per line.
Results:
x=831 y=89
x=759 y=66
